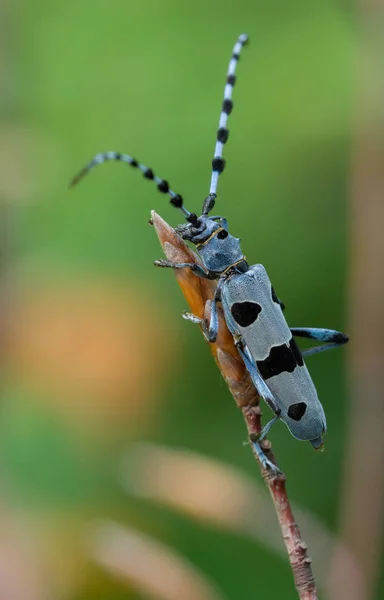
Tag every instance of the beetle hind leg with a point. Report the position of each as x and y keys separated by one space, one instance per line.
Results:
x=255 y=441
x=331 y=337
x=264 y=391
x=264 y=432
x=263 y=459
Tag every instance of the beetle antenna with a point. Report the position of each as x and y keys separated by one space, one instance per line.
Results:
x=162 y=184
x=218 y=162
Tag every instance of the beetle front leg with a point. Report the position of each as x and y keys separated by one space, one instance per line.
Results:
x=197 y=269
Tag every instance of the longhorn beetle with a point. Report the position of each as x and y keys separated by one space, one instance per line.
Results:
x=252 y=311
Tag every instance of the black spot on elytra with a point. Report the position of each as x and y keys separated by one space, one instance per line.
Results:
x=281 y=359
x=245 y=313
x=296 y=351
x=222 y=234
x=231 y=79
x=134 y=163
x=297 y=411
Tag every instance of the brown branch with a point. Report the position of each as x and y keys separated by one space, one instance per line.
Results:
x=198 y=294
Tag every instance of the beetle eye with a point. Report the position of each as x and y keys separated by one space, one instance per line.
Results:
x=222 y=234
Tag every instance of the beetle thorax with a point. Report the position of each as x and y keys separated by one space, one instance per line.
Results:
x=220 y=254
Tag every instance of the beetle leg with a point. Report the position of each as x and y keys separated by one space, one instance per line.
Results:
x=331 y=337
x=210 y=332
x=197 y=269
x=199 y=321
x=266 y=463
x=259 y=383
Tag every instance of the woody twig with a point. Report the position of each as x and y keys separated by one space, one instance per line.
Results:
x=199 y=293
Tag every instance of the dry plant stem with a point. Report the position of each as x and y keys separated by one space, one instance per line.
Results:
x=198 y=292
x=362 y=493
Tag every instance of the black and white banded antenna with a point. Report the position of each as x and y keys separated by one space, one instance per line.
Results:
x=218 y=162
x=162 y=184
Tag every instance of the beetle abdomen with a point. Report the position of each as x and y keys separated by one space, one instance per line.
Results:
x=252 y=310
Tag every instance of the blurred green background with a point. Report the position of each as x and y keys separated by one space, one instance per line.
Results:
x=98 y=357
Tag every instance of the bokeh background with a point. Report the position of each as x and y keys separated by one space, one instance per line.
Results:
x=123 y=469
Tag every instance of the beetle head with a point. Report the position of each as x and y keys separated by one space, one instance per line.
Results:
x=199 y=229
